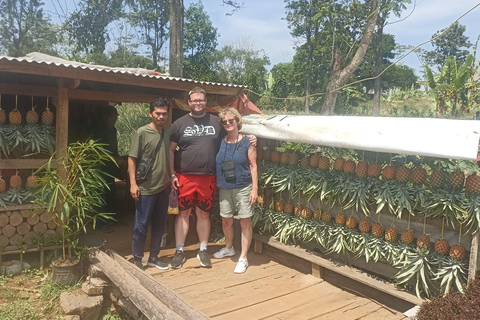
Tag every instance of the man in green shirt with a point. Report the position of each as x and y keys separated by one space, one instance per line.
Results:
x=151 y=195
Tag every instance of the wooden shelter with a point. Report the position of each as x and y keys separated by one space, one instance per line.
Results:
x=71 y=89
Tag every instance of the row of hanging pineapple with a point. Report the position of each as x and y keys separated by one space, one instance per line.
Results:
x=16 y=191
x=369 y=187
x=28 y=133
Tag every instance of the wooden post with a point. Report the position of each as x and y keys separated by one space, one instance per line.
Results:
x=472 y=265
x=317 y=271
x=257 y=246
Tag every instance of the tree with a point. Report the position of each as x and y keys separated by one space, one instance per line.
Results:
x=386 y=7
x=176 y=43
x=200 y=44
x=305 y=18
x=87 y=26
x=152 y=18
x=176 y=34
x=449 y=44
x=241 y=64
x=24 y=28
x=340 y=73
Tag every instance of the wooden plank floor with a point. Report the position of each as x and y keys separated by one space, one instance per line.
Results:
x=267 y=290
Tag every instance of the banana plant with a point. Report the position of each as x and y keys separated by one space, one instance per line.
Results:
x=452 y=85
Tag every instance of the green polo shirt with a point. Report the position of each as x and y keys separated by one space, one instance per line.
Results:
x=144 y=142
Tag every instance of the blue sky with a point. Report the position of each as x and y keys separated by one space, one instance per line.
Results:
x=261 y=24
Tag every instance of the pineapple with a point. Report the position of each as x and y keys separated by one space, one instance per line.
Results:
x=436 y=178
x=267 y=154
x=306 y=213
x=304 y=162
x=260 y=153
x=15 y=117
x=407 y=237
x=389 y=172
x=456 y=178
x=32 y=181
x=15 y=181
x=441 y=246
x=317 y=214
x=340 y=218
x=314 y=160
x=287 y=208
x=275 y=156
x=297 y=211
x=402 y=174
x=279 y=205
x=323 y=163
x=364 y=226
x=3 y=185
x=423 y=242
x=338 y=164
x=3 y=116
x=284 y=157
x=260 y=200
x=374 y=170
x=349 y=166
x=391 y=234
x=292 y=159
x=419 y=175
x=351 y=222
x=326 y=216
x=457 y=252
x=32 y=116
x=472 y=184
x=362 y=169
x=47 y=117
x=377 y=230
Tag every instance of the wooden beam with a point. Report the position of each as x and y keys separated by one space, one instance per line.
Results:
x=51 y=70
x=165 y=295
x=27 y=90
x=61 y=144
x=317 y=271
x=142 y=298
x=473 y=263
x=110 y=96
x=23 y=163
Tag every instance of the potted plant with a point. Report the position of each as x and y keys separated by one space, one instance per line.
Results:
x=71 y=192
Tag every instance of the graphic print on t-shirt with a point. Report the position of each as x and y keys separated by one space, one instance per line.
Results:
x=199 y=130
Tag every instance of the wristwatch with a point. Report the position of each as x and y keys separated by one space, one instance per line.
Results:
x=172 y=176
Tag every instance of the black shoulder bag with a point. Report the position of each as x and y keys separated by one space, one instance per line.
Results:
x=144 y=166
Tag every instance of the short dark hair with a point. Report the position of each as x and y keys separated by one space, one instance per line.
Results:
x=160 y=102
x=197 y=90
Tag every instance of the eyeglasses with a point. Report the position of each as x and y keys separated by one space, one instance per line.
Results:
x=197 y=101
x=231 y=121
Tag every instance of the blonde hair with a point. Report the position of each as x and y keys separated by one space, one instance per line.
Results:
x=197 y=90
x=234 y=112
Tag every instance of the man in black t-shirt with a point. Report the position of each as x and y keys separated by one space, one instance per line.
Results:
x=197 y=136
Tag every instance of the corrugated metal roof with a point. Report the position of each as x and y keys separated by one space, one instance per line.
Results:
x=43 y=59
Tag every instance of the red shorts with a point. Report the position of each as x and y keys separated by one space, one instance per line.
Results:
x=196 y=190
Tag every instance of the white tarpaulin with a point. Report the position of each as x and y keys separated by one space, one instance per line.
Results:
x=453 y=139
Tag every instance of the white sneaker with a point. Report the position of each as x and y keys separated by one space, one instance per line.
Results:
x=224 y=252
x=242 y=266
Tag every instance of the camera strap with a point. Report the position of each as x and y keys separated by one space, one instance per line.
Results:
x=235 y=149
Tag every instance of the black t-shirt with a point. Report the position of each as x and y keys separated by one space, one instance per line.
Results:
x=198 y=140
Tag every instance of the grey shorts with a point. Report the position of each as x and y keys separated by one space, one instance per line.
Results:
x=236 y=200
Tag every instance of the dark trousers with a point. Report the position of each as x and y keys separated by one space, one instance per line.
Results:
x=151 y=209
x=110 y=206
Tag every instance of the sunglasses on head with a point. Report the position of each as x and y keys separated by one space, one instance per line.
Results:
x=224 y=122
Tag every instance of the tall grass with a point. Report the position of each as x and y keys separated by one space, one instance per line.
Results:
x=131 y=117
